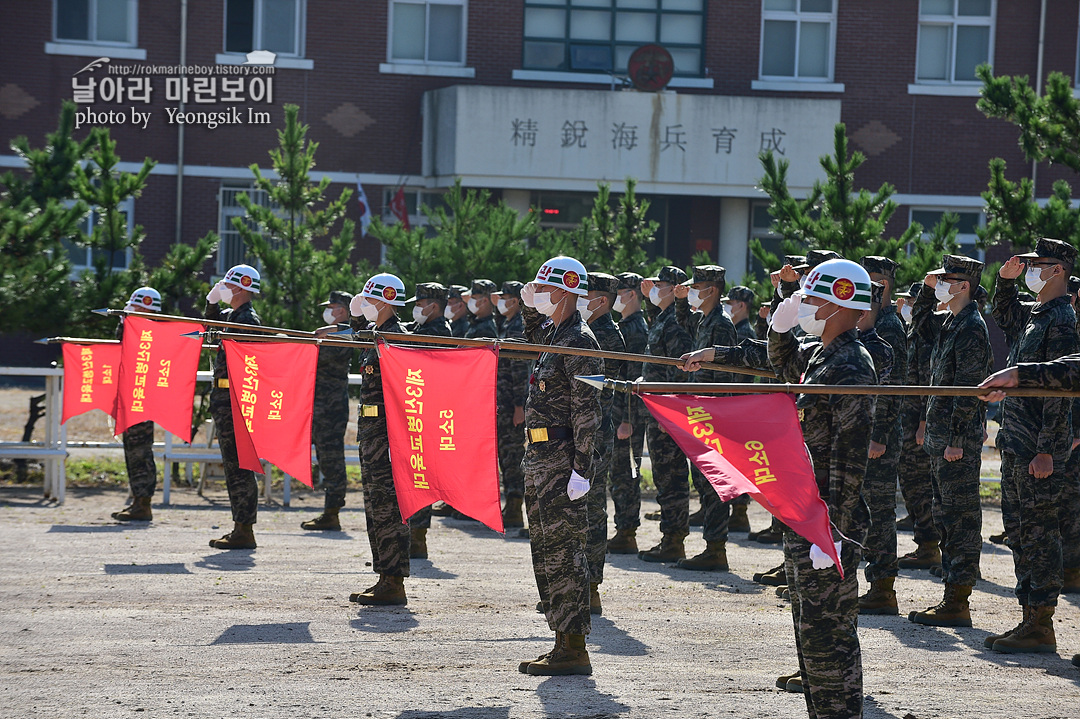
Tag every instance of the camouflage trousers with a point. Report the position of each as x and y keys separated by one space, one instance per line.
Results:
x=825 y=612
x=241 y=483
x=328 y=435
x=669 y=467
x=596 y=542
x=139 y=458
x=1069 y=514
x=879 y=489
x=717 y=514
x=958 y=516
x=915 y=470
x=388 y=535
x=557 y=532
x=625 y=480
x=511 y=452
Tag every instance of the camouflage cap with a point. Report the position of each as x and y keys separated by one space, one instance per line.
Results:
x=877 y=293
x=738 y=293
x=969 y=268
x=912 y=292
x=880 y=265
x=711 y=273
x=338 y=297
x=794 y=260
x=484 y=287
x=815 y=258
x=629 y=281
x=457 y=291
x=671 y=274
x=1074 y=285
x=603 y=282
x=430 y=291
x=513 y=288
x=1051 y=249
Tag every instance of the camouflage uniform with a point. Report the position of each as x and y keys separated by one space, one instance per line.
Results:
x=744 y=331
x=139 y=451
x=824 y=607
x=961 y=356
x=558 y=526
x=330 y=418
x=626 y=453
x=388 y=535
x=243 y=489
x=460 y=326
x=512 y=389
x=1035 y=425
x=482 y=326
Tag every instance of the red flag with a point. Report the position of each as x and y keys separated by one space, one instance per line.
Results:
x=397 y=206
x=90 y=373
x=440 y=415
x=754 y=445
x=157 y=374
x=272 y=388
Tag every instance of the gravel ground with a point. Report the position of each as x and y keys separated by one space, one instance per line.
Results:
x=106 y=620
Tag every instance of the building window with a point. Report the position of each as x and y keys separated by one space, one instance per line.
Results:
x=274 y=25
x=798 y=38
x=414 y=200
x=955 y=37
x=966 y=238
x=600 y=35
x=83 y=258
x=427 y=31
x=231 y=250
x=104 y=22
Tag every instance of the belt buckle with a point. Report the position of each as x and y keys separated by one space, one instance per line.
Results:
x=539 y=434
x=370 y=410
x=223 y=383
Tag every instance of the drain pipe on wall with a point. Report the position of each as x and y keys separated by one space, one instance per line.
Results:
x=180 y=127
x=1038 y=90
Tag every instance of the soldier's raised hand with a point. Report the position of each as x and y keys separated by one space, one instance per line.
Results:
x=787 y=314
x=1011 y=269
x=527 y=293
x=682 y=291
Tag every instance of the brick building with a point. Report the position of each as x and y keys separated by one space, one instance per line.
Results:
x=525 y=97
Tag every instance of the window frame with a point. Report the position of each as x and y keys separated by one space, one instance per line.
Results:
x=133 y=26
x=976 y=253
x=390 y=59
x=798 y=16
x=256 y=23
x=953 y=22
x=613 y=43
x=227 y=233
x=87 y=223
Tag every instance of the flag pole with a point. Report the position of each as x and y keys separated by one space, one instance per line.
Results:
x=105 y=312
x=87 y=341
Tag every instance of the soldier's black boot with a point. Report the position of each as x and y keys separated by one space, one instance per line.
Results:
x=670 y=549
x=906 y=524
x=390 y=591
x=713 y=558
x=775 y=577
x=1000 y=538
x=139 y=511
x=523 y=667
x=594 y=599
x=624 y=542
x=767 y=536
x=927 y=556
x=988 y=642
x=328 y=521
x=1035 y=634
x=242 y=537
x=951 y=611
x=880 y=599
x=441 y=509
x=738 y=522
x=511 y=513
x=570 y=657
x=418 y=544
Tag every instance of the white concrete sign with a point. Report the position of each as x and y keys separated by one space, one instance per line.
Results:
x=671 y=143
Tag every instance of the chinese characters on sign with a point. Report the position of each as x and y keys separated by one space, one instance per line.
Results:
x=525 y=131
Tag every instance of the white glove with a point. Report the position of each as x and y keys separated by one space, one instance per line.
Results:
x=578 y=486
x=214 y=295
x=787 y=314
x=355 y=306
x=820 y=559
x=527 y=293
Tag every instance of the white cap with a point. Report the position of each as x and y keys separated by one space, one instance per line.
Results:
x=841 y=282
x=146 y=298
x=385 y=287
x=566 y=273
x=245 y=277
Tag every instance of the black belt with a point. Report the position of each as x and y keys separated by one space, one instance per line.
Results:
x=545 y=434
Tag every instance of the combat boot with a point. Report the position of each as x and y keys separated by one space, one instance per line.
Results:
x=511 y=514
x=739 y=522
x=880 y=599
x=906 y=524
x=523 y=667
x=1071 y=585
x=999 y=538
x=242 y=537
x=594 y=599
x=767 y=536
x=390 y=591
x=951 y=611
x=782 y=682
x=1035 y=634
x=795 y=685
x=139 y=511
x=624 y=542
x=567 y=658
x=714 y=557
x=670 y=549
x=328 y=521
x=988 y=642
x=927 y=556
x=418 y=543
x=775 y=577
x=441 y=509
x=653 y=516
x=1075 y=660
x=697 y=519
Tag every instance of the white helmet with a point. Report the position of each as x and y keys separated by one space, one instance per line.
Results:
x=566 y=273
x=841 y=282
x=385 y=287
x=146 y=298
x=245 y=277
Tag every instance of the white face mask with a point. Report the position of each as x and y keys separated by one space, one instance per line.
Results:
x=654 y=296
x=370 y=311
x=418 y=315
x=474 y=305
x=619 y=305
x=328 y=316
x=809 y=322
x=1033 y=279
x=583 y=307
x=502 y=306
x=448 y=313
x=942 y=292
x=727 y=311
x=226 y=294
x=905 y=312
x=694 y=298
x=543 y=304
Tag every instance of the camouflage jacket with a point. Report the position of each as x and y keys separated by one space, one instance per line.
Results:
x=751 y=353
x=918 y=371
x=371 y=390
x=556 y=399
x=666 y=339
x=761 y=329
x=244 y=314
x=891 y=329
x=482 y=327
x=636 y=335
x=744 y=330
x=513 y=378
x=610 y=339
x=1062 y=373
x=1038 y=332
x=834 y=426
x=961 y=356
x=437 y=327
x=332 y=372
x=707 y=330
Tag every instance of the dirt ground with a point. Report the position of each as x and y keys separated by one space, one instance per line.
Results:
x=105 y=620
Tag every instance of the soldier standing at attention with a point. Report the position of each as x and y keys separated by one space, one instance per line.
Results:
x=738 y=306
x=824 y=607
x=330 y=413
x=511 y=391
x=563 y=416
x=699 y=311
x=595 y=309
x=457 y=312
x=670 y=468
x=239 y=285
x=388 y=535
x=1035 y=439
x=954 y=430
x=139 y=438
x=630 y=418
x=481 y=311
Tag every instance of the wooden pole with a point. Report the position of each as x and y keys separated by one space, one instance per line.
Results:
x=207 y=323
x=856 y=389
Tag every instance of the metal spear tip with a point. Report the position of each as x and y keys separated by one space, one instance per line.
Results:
x=193 y=334
x=341 y=333
x=595 y=380
x=104 y=312
x=43 y=341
